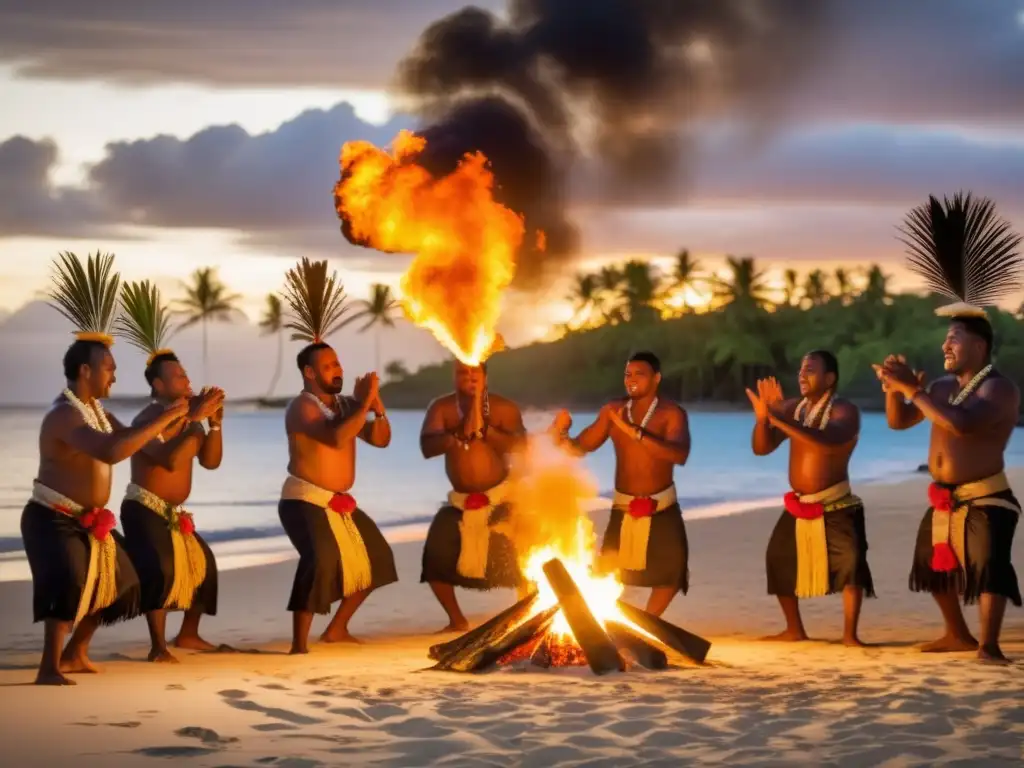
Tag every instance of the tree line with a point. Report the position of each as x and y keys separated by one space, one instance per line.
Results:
x=717 y=334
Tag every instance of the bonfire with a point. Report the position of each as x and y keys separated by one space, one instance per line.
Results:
x=464 y=244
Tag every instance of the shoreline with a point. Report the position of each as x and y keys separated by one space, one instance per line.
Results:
x=270 y=545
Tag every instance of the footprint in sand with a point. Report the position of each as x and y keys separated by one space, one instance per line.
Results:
x=417 y=728
x=237 y=699
x=274 y=687
x=289 y=762
x=174 y=751
x=269 y=727
x=384 y=711
x=205 y=735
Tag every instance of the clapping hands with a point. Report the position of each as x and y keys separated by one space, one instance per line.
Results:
x=767 y=399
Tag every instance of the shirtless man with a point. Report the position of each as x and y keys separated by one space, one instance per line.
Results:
x=67 y=516
x=819 y=546
x=159 y=533
x=342 y=554
x=646 y=536
x=475 y=431
x=964 y=541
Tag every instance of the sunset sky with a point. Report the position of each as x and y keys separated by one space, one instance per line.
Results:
x=207 y=132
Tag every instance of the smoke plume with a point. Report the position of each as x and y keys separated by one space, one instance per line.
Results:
x=619 y=85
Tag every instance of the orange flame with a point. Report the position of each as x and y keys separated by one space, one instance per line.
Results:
x=463 y=240
x=552 y=493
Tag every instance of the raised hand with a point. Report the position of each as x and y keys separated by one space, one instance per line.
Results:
x=367 y=389
x=758 y=402
x=562 y=422
x=770 y=391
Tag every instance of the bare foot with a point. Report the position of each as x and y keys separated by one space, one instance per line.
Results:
x=992 y=654
x=77 y=665
x=193 y=643
x=339 y=637
x=950 y=644
x=53 y=678
x=456 y=625
x=162 y=656
x=298 y=650
x=787 y=636
x=854 y=642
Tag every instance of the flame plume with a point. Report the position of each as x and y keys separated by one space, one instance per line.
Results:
x=463 y=240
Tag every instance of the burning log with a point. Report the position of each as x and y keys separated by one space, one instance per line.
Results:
x=493 y=628
x=646 y=655
x=597 y=646
x=555 y=651
x=479 y=656
x=676 y=638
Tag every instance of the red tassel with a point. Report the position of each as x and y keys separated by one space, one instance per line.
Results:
x=98 y=522
x=642 y=507
x=940 y=498
x=342 y=503
x=800 y=509
x=944 y=558
x=476 y=501
x=186 y=524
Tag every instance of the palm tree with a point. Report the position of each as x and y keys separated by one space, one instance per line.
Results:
x=272 y=322
x=584 y=296
x=791 y=287
x=379 y=311
x=207 y=300
x=877 y=289
x=610 y=282
x=396 y=370
x=844 y=285
x=686 y=275
x=815 y=288
x=747 y=286
x=641 y=288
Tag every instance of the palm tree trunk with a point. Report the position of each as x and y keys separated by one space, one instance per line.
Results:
x=376 y=349
x=277 y=366
x=206 y=357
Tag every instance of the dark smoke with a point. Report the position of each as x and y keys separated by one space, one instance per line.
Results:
x=620 y=84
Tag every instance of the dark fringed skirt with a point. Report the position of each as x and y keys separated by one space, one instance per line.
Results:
x=988 y=540
x=318 y=576
x=443 y=546
x=148 y=543
x=668 y=551
x=847 y=545
x=57 y=548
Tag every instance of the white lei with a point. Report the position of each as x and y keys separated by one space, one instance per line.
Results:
x=94 y=415
x=647 y=416
x=972 y=385
x=825 y=402
x=325 y=409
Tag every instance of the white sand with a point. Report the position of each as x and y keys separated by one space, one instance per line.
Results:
x=756 y=704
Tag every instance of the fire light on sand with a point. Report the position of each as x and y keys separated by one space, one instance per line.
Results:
x=464 y=242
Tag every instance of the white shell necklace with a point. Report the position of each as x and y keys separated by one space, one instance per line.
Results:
x=972 y=385
x=93 y=414
x=647 y=416
x=324 y=408
x=825 y=402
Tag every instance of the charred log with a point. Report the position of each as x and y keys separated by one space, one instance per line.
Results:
x=600 y=651
x=678 y=639
x=493 y=628
x=634 y=644
x=480 y=656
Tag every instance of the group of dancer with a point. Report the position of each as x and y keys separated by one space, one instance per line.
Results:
x=86 y=574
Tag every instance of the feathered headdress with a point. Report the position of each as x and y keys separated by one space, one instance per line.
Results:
x=964 y=251
x=86 y=295
x=145 y=323
x=317 y=301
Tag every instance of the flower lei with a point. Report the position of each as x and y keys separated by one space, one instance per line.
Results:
x=825 y=402
x=972 y=385
x=93 y=414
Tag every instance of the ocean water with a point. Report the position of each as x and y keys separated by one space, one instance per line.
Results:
x=236 y=505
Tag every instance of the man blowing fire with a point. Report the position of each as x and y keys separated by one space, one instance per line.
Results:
x=646 y=536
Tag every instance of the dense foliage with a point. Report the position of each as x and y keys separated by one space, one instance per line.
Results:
x=751 y=330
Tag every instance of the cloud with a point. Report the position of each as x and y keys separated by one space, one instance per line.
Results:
x=31 y=204
x=226 y=178
x=942 y=60
x=241 y=43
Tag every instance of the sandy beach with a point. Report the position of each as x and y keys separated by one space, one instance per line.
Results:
x=755 y=703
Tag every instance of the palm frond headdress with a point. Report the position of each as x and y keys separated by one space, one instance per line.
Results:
x=145 y=323
x=964 y=251
x=86 y=294
x=316 y=300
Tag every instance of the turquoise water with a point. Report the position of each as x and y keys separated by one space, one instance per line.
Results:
x=236 y=506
